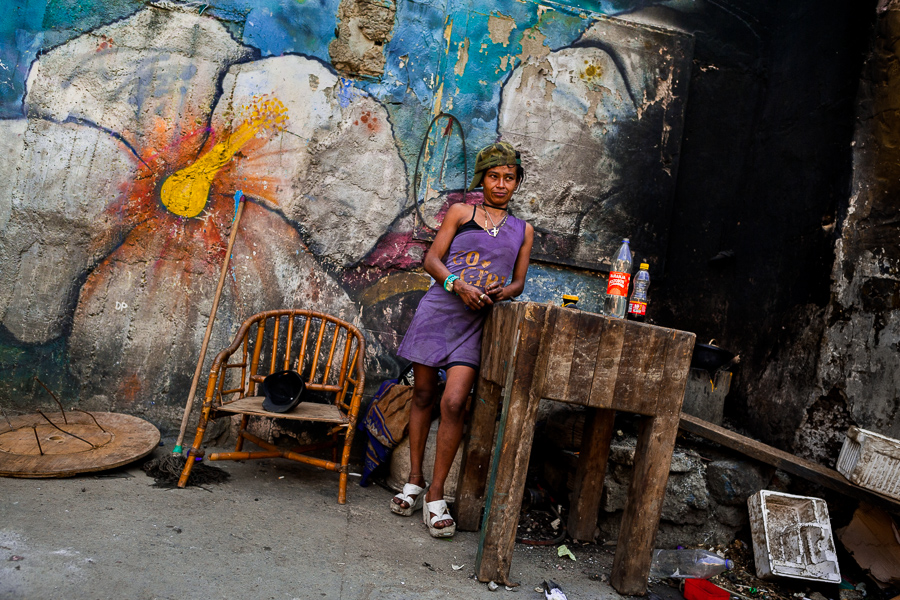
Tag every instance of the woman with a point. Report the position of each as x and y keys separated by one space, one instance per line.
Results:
x=473 y=255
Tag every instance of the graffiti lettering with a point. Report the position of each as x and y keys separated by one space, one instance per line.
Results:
x=121 y=305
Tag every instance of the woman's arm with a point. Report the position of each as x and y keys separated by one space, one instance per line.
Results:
x=434 y=259
x=498 y=293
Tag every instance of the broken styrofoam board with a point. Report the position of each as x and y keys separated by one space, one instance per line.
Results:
x=872 y=461
x=792 y=537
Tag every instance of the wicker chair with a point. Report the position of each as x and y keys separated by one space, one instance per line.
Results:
x=327 y=351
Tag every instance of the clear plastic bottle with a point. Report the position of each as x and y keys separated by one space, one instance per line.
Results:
x=617 y=286
x=687 y=564
x=637 y=306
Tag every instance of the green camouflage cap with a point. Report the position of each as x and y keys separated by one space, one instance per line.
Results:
x=495 y=155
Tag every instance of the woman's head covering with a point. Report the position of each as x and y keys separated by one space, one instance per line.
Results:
x=496 y=155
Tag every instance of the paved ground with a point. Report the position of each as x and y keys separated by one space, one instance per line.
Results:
x=273 y=530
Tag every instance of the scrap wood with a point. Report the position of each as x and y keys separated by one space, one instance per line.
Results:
x=785 y=461
x=874 y=542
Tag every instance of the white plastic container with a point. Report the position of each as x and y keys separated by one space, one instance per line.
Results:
x=792 y=537
x=872 y=461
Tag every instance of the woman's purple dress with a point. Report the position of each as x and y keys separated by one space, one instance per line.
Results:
x=444 y=331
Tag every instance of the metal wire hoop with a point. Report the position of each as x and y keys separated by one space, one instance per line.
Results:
x=415 y=186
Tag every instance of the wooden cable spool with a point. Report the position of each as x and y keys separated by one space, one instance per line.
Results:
x=66 y=444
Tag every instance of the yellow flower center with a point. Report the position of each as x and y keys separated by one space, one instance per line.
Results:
x=186 y=192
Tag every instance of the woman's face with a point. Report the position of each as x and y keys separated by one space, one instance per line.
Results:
x=499 y=183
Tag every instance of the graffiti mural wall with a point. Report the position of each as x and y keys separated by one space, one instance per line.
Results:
x=128 y=127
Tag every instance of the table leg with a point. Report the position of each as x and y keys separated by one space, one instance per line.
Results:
x=509 y=464
x=477 y=456
x=652 y=459
x=591 y=471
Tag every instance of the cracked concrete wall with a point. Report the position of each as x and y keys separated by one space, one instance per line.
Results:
x=128 y=131
x=364 y=27
x=128 y=125
x=859 y=366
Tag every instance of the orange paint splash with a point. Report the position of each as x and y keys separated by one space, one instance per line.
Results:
x=185 y=192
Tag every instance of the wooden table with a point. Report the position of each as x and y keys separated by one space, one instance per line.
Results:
x=532 y=351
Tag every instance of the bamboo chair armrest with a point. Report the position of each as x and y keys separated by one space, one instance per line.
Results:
x=217 y=371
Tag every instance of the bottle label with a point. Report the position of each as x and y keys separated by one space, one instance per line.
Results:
x=618 y=284
x=637 y=308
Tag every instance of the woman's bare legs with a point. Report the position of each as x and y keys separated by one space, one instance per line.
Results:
x=460 y=379
x=426 y=379
x=453 y=405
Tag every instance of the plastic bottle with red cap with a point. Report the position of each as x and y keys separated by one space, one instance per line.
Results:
x=617 y=285
x=637 y=306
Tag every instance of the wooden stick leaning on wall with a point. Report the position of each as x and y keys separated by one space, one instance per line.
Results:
x=239 y=202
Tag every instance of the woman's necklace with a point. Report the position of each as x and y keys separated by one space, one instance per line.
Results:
x=496 y=229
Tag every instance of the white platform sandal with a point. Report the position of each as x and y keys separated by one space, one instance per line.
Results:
x=414 y=504
x=439 y=508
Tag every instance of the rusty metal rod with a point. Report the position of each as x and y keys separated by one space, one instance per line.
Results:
x=58 y=403
x=66 y=432
x=37 y=439
x=92 y=418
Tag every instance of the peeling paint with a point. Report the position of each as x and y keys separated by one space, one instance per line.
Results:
x=500 y=27
x=662 y=96
x=448 y=31
x=438 y=99
x=533 y=46
x=462 y=57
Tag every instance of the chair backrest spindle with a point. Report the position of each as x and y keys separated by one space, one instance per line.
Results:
x=336 y=333
x=257 y=349
x=287 y=345
x=301 y=358
x=273 y=359
x=315 y=361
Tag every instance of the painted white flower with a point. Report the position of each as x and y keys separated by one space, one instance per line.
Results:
x=122 y=180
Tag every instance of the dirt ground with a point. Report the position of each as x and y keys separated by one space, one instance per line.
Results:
x=273 y=530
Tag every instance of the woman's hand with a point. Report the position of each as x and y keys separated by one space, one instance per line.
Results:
x=497 y=293
x=472 y=296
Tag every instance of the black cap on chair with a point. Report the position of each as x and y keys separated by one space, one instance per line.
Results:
x=283 y=391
